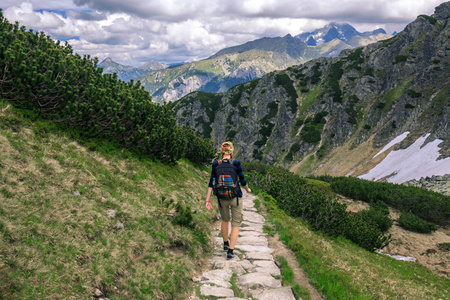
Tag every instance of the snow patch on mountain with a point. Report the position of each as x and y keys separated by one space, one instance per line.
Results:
x=414 y=162
x=395 y=141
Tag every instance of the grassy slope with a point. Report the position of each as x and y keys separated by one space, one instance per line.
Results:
x=55 y=244
x=341 y=270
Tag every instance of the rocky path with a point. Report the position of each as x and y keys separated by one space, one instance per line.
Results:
x=257 y=275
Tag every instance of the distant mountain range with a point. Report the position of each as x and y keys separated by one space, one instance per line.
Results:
x=250 y=61
x=242 y=63
x=127 y=73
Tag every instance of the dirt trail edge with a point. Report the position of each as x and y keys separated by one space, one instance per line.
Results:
x=256 y=273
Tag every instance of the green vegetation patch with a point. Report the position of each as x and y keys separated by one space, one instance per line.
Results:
x=319 y=209
x=237 y=94
x=309 y=100
x=410 y=221
x=317 y=74
x=356 y=59
x=428 y=205
x=437 y=106
x=312 y=130
x=283 y=80
x=288 y=279
x=430 y=19
x=391 y=96
x=46 y=78
x=336 y=72
x=400 y=58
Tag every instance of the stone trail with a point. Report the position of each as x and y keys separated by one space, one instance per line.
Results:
x=256 y=272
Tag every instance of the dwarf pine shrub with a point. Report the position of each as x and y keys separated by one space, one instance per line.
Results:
x=410 y=221
x=317 y=208
x=47 y=78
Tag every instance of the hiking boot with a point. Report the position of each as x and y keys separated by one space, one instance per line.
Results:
x=226 y=245
x=230 y=254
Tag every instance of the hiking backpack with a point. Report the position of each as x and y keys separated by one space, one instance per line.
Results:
x=226 y=185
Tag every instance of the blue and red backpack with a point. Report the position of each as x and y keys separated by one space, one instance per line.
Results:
x=226 y=185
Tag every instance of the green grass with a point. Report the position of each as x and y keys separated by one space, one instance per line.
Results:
x=394 y=94
x=58 y=244
x=288 y=279
x=309 y=100
x=341 y=270
x=237 y=291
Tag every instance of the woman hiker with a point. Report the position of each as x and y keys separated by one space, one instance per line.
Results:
x=225 y=205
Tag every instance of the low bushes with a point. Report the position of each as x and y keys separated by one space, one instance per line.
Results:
x=412 y=222
x=428 y=205
x=47 y=79
x=378 y=215
x=317 y=208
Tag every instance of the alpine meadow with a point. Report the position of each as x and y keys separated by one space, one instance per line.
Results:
x=102 y=189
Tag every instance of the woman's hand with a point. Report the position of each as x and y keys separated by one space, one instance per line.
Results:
x=208 y=205
x=248 y=189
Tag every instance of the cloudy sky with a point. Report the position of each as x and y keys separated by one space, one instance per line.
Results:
x=135 y=31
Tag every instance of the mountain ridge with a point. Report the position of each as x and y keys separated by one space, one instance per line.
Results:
x=229 y=67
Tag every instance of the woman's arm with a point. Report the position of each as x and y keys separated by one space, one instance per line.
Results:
x=208 y=198
x=241 y=176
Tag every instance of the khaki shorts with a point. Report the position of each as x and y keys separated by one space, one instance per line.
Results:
x=236 y=211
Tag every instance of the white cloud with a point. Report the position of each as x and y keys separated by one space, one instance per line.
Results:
x=25 y=15
x=183 y=30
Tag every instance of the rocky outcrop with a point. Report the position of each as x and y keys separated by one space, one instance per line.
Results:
x=440 y=184
x=365 y=95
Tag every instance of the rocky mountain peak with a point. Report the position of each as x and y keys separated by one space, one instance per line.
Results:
x=442 y=11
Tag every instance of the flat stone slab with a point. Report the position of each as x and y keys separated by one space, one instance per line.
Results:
x=284 y=293
x=253 y=217
x=219 y=277
x=215 y=291
x=268 y=267
x=259 y=255
x=250 y=248
x=250 y=209
x=247 y=265
x=259 y=280
x=254 y=241
x=251 y=233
